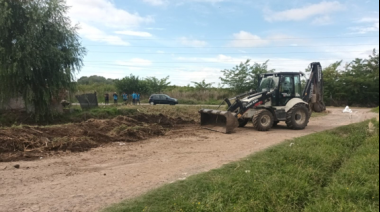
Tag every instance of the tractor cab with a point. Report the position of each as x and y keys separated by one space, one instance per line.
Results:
x=284 y=86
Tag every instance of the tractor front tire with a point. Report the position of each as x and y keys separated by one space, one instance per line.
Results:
x=263 y=120
x=298 y=117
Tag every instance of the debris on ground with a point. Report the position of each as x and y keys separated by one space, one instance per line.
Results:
x=31 y=143
x=347 y=110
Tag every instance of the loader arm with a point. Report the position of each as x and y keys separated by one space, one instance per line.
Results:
x=227 y=121
x=314 y=90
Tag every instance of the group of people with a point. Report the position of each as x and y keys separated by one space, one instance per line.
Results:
x=135 y=98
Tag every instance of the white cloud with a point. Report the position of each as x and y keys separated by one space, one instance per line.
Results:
x=323 y=20
x=134 y=33
x=211 y=75
x=366 y=29
x=299 y=14
x=246 y=39
x=104 y=12
x=136 y=62
x=192 y=42
x=155 y=2
x=179 y=2
x=95 y=34
x=367 y=25
x=207 y=1
x=368 y=20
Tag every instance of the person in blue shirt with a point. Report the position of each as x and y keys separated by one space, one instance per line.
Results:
x=115 y=98
x=134 y=97
x=125 y=98
x=138 y=98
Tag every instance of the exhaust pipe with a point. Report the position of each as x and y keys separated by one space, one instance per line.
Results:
x=220 y=121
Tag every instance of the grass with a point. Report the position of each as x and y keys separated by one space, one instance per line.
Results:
x=375 y=110
x=336 y=170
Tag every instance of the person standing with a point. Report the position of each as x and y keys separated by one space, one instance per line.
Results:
x=125 y=98
x=106 y=99
x=134 y=97
x=138 y=98
x=115 y=98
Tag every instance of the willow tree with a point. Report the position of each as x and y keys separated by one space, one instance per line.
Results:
x=40 y=52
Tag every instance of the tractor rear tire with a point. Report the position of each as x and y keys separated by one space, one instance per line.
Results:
x=263 y=120
x=298 y=117
x=243 y=122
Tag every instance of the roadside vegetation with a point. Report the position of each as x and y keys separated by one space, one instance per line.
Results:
x=337 y=170
x=375 y=110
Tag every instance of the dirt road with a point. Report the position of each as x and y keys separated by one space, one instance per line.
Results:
x=92 y=180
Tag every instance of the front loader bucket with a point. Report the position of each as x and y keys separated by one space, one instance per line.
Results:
x=221 y=121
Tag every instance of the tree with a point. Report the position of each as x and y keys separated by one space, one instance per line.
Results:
x=357 y=83
x=40 y=52
x=132 y=84
x=94 y=79
x=202 y=86
x=245 y=76
x=157 y=85
x=361 y=78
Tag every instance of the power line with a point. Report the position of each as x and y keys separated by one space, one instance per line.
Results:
x=221 y=61
x=230 y=47
x=187 y=53
x=227 y=39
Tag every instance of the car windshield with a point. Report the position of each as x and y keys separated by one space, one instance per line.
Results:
x=167 y=96
x=268 y=84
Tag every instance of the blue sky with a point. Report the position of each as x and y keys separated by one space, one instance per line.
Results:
x=192 y=40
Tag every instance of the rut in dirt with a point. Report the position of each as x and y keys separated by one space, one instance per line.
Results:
x=29 y=143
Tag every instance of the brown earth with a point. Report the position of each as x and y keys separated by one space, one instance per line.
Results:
x=30 y=143
x=90 y=181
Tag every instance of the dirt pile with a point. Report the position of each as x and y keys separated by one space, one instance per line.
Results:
x=29 y=143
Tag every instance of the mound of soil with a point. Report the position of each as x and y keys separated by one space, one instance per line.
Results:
x=29 y=143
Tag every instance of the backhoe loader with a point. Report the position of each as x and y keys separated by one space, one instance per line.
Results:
x=279 y=98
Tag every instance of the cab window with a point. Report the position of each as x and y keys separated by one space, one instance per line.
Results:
x=267 y=84
x=297 y=86
x=287 y=86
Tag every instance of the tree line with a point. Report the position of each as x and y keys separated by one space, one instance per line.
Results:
x=354 y=83
x=41 y=52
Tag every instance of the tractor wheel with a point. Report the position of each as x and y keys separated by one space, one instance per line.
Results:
x=263 y=120
x=298 y=117
x=319 y=107
x=243 y=122
x=275 y=124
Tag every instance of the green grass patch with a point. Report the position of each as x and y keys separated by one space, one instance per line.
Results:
x=375 y=110
x=311 y=173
